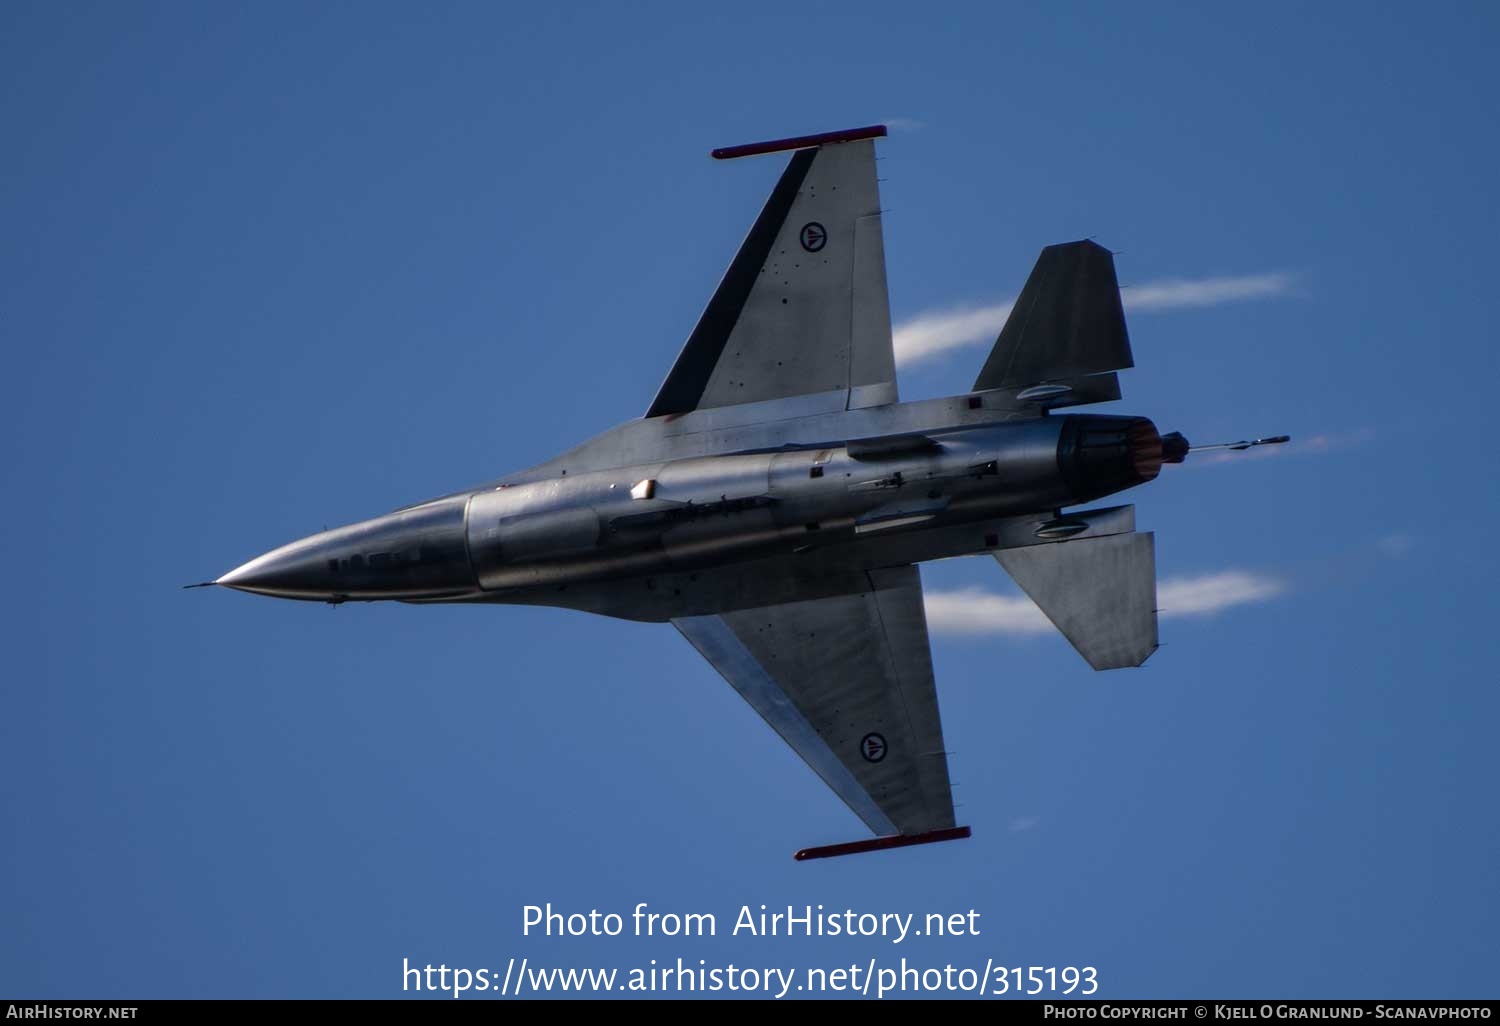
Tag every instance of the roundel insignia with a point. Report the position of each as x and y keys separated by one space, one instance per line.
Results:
x=814 y=236
x=872 y=747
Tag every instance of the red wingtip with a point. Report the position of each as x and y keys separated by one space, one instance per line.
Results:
x=829 y=851
x=798 y=142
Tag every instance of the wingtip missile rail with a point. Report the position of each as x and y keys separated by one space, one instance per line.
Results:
x=829 y=851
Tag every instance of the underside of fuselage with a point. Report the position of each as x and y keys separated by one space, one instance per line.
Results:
x=700 y=534
x=825 y=570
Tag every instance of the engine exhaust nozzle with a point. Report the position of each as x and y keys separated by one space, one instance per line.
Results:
x=1100 y=455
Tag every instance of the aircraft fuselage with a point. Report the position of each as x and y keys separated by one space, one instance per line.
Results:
x=635 y=540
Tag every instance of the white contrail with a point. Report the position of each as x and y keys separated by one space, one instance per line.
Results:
x=978 y=611
x=1212 y=593
x=929 y=334
x=1175 y=294
x=934 y=332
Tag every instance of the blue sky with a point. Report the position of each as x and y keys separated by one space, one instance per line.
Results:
x=270 y=268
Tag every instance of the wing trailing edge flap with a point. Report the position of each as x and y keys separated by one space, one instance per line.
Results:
x=1068 y=323
x=1100 y=592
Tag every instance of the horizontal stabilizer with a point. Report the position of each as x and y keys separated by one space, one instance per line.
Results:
x=1100 y=592
x=1067 y=322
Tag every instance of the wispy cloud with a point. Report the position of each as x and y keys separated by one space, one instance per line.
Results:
x=1021 y=824
x=935 y=332
x=903 y=124
x=1396 y=545
x=979 y=611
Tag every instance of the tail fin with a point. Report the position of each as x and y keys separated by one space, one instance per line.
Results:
x=1067 y=323
x=1100 y=592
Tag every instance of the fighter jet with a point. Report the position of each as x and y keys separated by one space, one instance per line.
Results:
x=776 y=498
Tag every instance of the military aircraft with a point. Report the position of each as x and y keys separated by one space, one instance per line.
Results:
x=776 y=498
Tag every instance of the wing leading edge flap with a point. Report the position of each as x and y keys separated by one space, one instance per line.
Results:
x=1068 y=322
x=803 y=307
x=1100 y=592
x=847 y=683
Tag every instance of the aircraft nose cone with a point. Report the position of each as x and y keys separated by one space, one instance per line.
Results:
x=298 y=570
x=414 y=553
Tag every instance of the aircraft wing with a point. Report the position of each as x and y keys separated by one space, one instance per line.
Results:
x=802 y=309
x=847 y=682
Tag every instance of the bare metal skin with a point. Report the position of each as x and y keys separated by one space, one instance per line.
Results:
x=777 y=497
x=583 y=538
